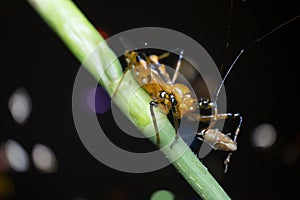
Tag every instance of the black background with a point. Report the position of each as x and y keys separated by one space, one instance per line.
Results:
x=263 y=87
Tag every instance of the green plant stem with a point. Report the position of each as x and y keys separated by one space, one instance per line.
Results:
x=80 y=36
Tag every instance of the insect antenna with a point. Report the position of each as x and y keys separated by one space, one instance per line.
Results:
x=178 y=65
x=227 y=34
x=214 y=100
x=245 y=49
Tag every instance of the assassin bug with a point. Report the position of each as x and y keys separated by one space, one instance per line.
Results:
x=176 y=98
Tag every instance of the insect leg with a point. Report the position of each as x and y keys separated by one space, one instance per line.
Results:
x=214 y=118
x=121 y=80
x=232 y=116
x=164 y=55
x=176 y=119
x=220 y=116
x=226 y=161
x=160 y=68
x=237 y=130
x=131 y=58
x=152 y=104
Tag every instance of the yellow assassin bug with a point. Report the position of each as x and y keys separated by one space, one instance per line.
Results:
x=176 y=98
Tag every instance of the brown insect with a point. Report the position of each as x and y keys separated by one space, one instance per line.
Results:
x=176 y=99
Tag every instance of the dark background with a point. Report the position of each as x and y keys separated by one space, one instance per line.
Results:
x=263 y=87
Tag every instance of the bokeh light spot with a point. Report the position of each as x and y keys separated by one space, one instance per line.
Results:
x=20 y=105
x=264 y=135
x=16 y=156
x=98 y=100
x=44 y=158
x=162 y=195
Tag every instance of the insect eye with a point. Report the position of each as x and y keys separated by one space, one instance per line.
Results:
x=203 y=103
x=163 y=94
x=172 y=98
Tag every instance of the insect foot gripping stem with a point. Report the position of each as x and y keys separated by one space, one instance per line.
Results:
x=152 y=104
